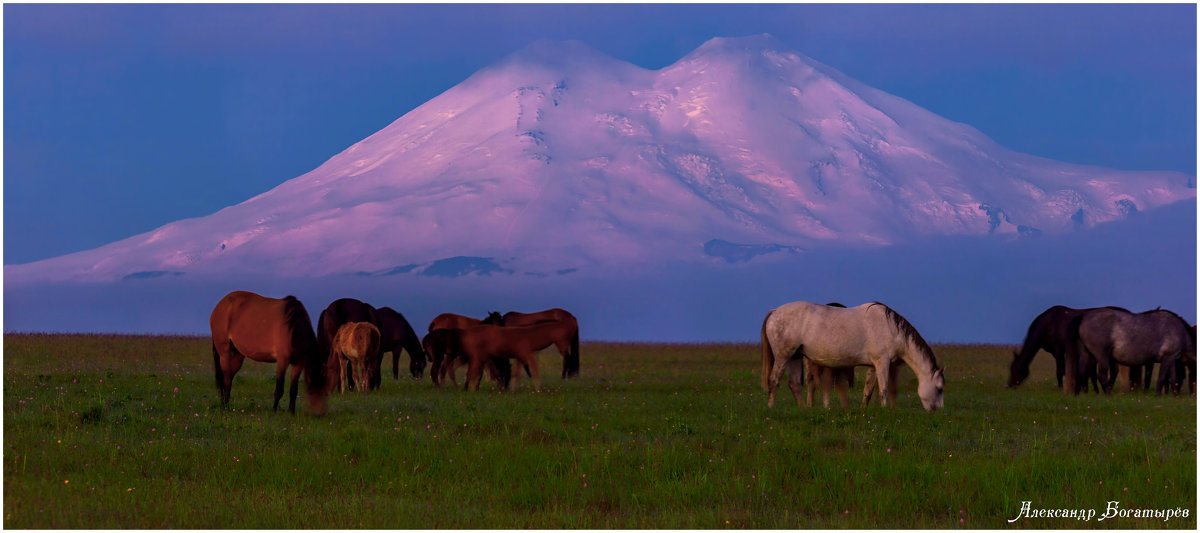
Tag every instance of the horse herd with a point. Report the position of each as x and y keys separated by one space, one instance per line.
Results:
x=352 y=336
x=826 y=341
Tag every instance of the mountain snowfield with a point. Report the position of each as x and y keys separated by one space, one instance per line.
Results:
x=559 y=159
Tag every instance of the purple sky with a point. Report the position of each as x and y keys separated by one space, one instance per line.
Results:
x=121 y=118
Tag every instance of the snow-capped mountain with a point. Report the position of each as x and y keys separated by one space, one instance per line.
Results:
x=560 y=158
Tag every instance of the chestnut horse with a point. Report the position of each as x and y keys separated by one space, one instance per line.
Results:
x=445 y=345
x=268 y=330
x=571 y=356
x=397 y=334
x=340 y=312
x=482 y=342
x=354 y=343
x=453 y=321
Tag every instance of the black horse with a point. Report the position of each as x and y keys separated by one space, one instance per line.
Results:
x=340 y=312
x=1051 y=331
x=398 y=334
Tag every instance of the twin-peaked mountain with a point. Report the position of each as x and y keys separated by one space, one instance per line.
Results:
x=560 y=158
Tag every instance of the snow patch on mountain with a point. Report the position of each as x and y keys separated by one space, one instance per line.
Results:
x=559 y=158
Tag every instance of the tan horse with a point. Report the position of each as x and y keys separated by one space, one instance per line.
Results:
x=522 y=343
x=354 y=344
x=268 y=330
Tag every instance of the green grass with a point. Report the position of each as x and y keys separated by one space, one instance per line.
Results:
x=126 y=432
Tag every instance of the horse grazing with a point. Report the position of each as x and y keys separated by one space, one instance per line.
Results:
x=571 y=357
x=1106 y=336
x=453 y=321
x=870 y=334
x=343 y=311
x=446 y=345
x=1051 y=331
x=353 y=345
x=825 y=376
x=522 y=343
x=397 y=334
x=268 y=330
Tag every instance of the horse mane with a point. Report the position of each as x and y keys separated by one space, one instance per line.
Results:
x=910 y=333
x=303 y=341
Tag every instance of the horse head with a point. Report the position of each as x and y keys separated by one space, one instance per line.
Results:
x=930 y=390
x=494 y=318
x=1018 y=372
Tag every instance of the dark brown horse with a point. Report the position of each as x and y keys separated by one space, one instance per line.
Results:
x=267 y=330
x=453 y=321
x=570 y=357
x=354 y=343
x=445 y=346
x=398 y=334
x=340 y=312
x=1107 y=336
x=522 y=343
x=1051 y=331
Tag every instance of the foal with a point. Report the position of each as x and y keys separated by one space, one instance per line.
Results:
x=353 y=346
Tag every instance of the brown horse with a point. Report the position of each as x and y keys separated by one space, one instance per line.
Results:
x=453 y=321
x=479 y=343
x=445 y=345
x=267 y=330
x=342 y=311
x=571 y=356
x=353 y=346
x=397 y=334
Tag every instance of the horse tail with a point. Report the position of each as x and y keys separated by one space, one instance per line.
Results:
x=305 y=345
x=217 y=366
x=768 y=357
x=573 y=367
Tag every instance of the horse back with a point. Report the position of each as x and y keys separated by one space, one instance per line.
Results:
x=259 y=327
x=515 y=318
x=831 y=336
x=394 y=329
x=452 y=321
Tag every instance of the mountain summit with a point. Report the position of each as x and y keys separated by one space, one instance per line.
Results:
x=559 y=157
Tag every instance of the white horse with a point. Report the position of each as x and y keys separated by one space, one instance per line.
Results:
x=870 y=334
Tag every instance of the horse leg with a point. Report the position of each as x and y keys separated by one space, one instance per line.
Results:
x=883 y=372
x=396 y=363
x=843 y=379
x=281 y=366
x=1102 y=370
x=811 y=368
x=531 y=365
x=1060 y=367
x=827 y=376
x=796 y=379
x=773 y=379
x=894 y=379
x=296 y=371
x=363 y=375
x=230 y=366
x=1133 y=376
x=869 y=388
x=474 y=373
x=1147 y=373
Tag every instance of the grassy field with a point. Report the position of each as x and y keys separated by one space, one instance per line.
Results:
x=126 y=432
